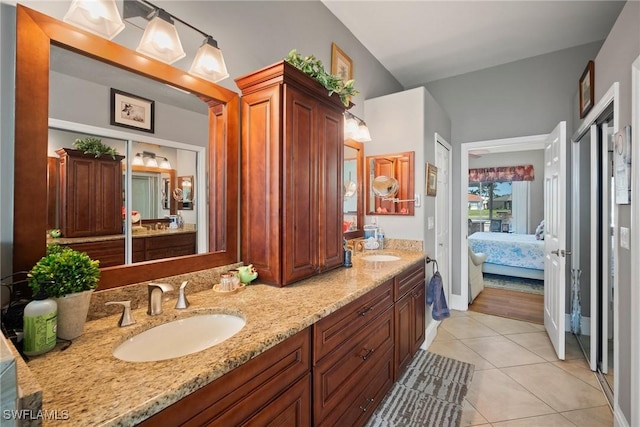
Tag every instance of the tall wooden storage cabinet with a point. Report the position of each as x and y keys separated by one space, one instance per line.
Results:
x=292 y=160
x=90 y=194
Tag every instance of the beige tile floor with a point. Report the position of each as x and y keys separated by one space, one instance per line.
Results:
x=518 y=380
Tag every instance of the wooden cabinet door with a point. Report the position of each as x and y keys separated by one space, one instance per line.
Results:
x=291 y=409
x=77 y=195
x=261 y=183
x=108 y=197
x=404 y=324
x=330 y=177
x=300 y=200
x=419 y=312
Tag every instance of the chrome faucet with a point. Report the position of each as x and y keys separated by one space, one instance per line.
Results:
x=155 y=297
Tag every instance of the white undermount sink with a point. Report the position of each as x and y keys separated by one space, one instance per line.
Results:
x=380 y=257
x=179 y=337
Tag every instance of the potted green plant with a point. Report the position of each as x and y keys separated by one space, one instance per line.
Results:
x=72 y=276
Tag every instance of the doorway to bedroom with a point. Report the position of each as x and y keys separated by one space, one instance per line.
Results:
x=505 y=209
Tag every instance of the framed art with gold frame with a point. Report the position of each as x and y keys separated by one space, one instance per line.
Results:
x=341 y=64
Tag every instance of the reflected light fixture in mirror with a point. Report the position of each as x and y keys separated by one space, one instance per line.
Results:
x=137 y=160
x=355 y=128
x=100 y=17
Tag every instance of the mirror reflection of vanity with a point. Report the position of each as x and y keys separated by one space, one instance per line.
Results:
x=38 y=38
x=353 y=192
x=398 y=172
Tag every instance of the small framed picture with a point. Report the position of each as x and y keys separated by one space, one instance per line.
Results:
x=586 y=90
x=505 y=227
x=131 y=111
x=341 y=64
x=432 y=180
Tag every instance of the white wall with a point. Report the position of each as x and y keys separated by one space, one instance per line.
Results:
x=527 y=97
x=613 y=64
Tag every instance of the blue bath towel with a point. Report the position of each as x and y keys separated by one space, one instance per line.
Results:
x=435 y=296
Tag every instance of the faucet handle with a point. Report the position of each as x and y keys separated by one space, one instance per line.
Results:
x=127 y=318
x=182 y=302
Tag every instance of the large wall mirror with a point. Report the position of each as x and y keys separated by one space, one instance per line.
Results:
x=206 y=139
x=353 y=189
x=390 y=184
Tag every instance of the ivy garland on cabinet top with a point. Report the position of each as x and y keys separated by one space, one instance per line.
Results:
x=95 y=146
x=312 y=66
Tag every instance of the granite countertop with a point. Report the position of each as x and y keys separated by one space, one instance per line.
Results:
x=87 y=383
x=138 y=234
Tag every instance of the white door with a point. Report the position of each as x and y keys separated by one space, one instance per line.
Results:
x=555 y=191
x=443 y=213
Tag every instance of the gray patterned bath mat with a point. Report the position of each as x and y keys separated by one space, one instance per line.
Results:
x=429 y=393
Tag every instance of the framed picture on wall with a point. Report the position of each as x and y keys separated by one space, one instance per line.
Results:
x=432 y=180
x=586 y=90
x=131 y=111
x=341 y=64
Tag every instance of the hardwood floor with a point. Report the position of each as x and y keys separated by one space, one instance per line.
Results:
x=512 y=304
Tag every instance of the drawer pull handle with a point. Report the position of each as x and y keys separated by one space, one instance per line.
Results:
x=365 y=310
x=367 y=404
x=367 y=354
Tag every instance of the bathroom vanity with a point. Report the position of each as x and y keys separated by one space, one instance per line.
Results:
x=308 y=353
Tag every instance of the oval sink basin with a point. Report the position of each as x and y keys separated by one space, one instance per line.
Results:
x=179 y=338
x=380 y=257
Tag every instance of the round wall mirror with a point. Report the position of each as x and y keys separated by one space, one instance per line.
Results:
x=384 y=186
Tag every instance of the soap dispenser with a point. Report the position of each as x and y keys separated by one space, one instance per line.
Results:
x=40 y=323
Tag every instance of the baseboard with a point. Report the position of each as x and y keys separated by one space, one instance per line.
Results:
x=585 y=324
x=619 y=419
x=430 y=334
x=458 y=302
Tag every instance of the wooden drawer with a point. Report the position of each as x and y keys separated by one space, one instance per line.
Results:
x=168 y=246
x=366 y=397
x=343 y=372
x=245 y=391
x=333 y=330
x=291 y=409
x=408 y=279
x=109 y=252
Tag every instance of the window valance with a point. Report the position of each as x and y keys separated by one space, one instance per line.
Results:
x=502 y=174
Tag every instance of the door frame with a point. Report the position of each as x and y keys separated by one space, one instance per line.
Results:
x=522 y=143
x=612 y=97
x=635 y=244
x=440 y=140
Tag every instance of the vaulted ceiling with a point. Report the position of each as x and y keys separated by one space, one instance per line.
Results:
x=423 y=41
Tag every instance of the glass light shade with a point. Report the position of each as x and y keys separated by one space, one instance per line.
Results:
x=137 y=160
x=350 y=128
x=209 y=62
x=160 y=39
x=362 y=134
x=164 y=164
x=100 y=17
x=151 y=162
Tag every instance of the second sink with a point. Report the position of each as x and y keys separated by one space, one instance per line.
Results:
x=179 y=338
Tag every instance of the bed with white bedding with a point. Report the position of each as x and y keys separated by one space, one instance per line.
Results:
x=518 y=255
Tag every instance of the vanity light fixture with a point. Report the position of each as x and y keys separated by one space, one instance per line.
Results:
x=161 y=40
x=355 y=128
x=100 y=17
x=209 y=62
